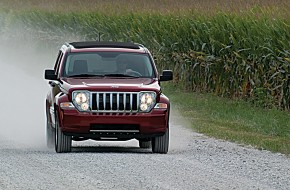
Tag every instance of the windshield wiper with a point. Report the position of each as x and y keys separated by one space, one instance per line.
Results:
x=86 y=75
x=120 y=75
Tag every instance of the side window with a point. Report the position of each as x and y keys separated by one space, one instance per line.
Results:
x=57 y=63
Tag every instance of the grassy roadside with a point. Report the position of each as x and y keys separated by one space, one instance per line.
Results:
x=233 y=120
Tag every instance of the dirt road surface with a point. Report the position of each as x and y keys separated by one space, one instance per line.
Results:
x=194 y=161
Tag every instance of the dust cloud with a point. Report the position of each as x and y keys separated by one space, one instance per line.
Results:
x=22 y=93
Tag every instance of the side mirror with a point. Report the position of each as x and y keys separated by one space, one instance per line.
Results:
x=166 y=75
x=50 y=75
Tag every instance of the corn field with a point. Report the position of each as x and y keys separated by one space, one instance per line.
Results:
x=238 y=55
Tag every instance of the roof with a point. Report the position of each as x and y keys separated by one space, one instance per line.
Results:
x=96 y=44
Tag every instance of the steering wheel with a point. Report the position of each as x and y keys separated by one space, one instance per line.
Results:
x=134 y=73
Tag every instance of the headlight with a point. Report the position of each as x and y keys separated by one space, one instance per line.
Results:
x=147 y=101
x=81 y=100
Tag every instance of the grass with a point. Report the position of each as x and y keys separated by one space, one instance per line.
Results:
x=233 y=120
x=153 y=6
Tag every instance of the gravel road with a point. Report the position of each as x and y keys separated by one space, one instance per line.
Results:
x=194 y=161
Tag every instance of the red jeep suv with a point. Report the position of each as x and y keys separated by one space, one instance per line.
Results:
x=106 y=91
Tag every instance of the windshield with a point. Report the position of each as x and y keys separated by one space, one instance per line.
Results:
x=110 y=64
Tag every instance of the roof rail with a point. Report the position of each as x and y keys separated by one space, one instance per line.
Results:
x=96 y=44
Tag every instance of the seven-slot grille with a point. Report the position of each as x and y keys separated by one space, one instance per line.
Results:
x=115 y=101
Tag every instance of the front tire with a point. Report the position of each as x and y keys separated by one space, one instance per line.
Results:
x=160 y=144
x=50 y=135
x=144 y=144
x=62 y=142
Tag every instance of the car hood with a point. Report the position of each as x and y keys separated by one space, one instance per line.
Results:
x=110 y=84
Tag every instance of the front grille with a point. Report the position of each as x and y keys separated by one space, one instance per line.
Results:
x=114 y=101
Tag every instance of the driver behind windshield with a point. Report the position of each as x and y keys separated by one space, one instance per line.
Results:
x=123 y=66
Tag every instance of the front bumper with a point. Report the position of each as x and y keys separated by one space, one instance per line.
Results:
x=133 y=125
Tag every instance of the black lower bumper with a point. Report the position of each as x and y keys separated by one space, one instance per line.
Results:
x=111 y=136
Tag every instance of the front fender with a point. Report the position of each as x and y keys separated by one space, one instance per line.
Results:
x=59 y=98
x=164 y=99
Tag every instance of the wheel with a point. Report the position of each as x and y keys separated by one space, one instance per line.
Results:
x=144 y=144
x=62 y=142
x=50 y=136
x=160 y=144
